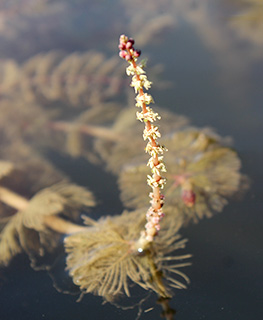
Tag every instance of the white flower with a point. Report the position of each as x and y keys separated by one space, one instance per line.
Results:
x=159 y=168
x=136 y=83
x=139 y=83
x=130 y=70
x=152 y=133
x=151 y=162
x=139 y=70
x=156 y=168
x=147 y=116
x=152 y=150
x=140 y=116
x=143 y=99
x=152 y=182
x=162 y=182
x=145 y=82
x=155 y=184
x=150 y=115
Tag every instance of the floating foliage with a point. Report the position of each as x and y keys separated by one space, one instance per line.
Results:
x=28 y=229
x=248 y=23
x=78 y=79
x=102 y=260
x=201 y=175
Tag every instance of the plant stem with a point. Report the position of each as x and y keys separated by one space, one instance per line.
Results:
x=168 y=313
x=53 y=222
x=96 y=131
x=13 y=199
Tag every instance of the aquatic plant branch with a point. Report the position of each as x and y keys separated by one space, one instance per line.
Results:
x=95 y=131
x=62 y=226
x=151 y=133
x=53 y=222
x=13 y=199
x=167 y=313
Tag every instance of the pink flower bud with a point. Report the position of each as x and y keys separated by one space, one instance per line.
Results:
x=123 y=54
x=155 y=220
x=188 y=197
x=161 y=215
x=149 y=226
x=122 y=46
x=128 y=57
x=137 y=53
x=131 y=40
x=129 y=45
x=123 y=38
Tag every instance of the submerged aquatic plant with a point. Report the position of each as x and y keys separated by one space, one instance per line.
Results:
x=248 y=23
x=34 y=227
x=115 y=251
x=202 y=175
x=111 y=256
x=104 y=259
x=78 y=80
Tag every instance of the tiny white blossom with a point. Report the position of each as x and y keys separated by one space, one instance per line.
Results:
x=159 y=168
x=152 y=133
x=139 y=70
x=162 y=182
x=150 y=162
x=143 y=99
x=156 y=168
x=130 y=70
x=150 y=115
x=140 y=116
x=136 y=83
x=145 y=82
x=152 y=182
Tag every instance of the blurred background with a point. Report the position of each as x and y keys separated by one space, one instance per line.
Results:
x=206 y=61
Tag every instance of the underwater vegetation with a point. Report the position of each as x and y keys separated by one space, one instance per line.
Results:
x=191 y=174
x=104 y=260
x=248 y=22
x=201 y=174
x=88 y=86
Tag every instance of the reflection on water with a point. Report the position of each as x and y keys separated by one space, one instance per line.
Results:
x=63 y=88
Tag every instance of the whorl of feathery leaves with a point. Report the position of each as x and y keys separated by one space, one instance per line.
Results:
x=102 y=260
x=9 y=240
x=60 y=198
x=201 y=175
x=77 y=79
x=20 y=231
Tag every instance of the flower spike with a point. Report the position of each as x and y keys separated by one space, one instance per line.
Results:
x=151 y=133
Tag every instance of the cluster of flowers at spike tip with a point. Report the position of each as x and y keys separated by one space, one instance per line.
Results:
x=150 y=133
x=127 y=51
